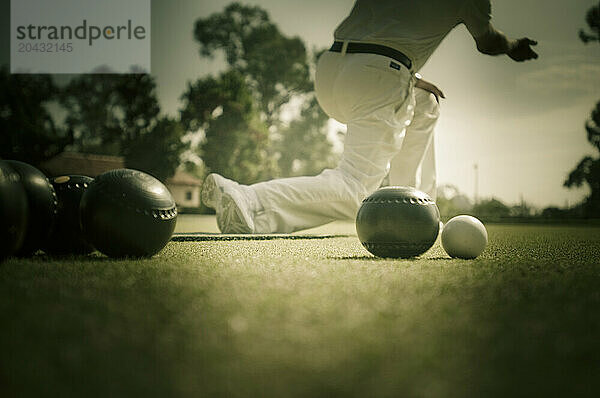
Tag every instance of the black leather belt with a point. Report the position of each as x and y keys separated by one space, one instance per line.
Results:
x=365 y=48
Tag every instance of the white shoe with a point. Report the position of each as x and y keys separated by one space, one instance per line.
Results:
x=232 y=203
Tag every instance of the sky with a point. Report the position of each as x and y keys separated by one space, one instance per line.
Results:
x=521 y=123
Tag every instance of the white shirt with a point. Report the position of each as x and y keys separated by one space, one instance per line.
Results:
x=415 y=27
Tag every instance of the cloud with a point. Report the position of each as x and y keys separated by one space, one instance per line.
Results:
x=580 y=79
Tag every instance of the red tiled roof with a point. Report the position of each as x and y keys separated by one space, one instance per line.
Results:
x=93 y=165
x=81 y=163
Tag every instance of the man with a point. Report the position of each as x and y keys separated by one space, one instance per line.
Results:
x=369 y=81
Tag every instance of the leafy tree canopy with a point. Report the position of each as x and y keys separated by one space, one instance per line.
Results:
x=119 y=115
x=236 y=142
x=158 y=151
x=491 y=208
x=108 y=113
x=592 y=19
x=265 y=71
x=303 y=146
x=277 y=66
x=588 y=169
x=27 y=129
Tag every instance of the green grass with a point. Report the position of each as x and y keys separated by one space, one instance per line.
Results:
x=308 y=318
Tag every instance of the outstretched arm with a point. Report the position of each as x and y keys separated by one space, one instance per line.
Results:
x=477 y=15
x=494 y=42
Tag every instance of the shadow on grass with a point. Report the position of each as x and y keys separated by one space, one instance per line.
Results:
x=373 y=258
x=206 y=236
x=80 y=258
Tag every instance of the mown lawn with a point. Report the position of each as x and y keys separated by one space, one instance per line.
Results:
x=290 y=318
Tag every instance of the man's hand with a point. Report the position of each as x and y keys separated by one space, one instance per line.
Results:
x=520 y=50
x=432 y=88
x=494 y=42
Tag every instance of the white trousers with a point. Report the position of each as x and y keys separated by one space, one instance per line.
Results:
x=390 y=130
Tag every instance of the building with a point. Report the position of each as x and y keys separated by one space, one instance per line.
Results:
x=184 y=187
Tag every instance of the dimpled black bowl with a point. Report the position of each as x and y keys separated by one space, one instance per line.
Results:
x=42 y=207
x=127 y=213
x=67 y=236
x=398 y=222
x=13 y=211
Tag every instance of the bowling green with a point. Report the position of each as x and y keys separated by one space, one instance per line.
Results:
x=308 y=318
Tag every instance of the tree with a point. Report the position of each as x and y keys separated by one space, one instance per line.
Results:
x=304 y=147
x=554 y=213
x=276 y=66
x=275 y=69
x=165 y=137
x=588 y=169
x=491 y=209
x=236 y=141
x=119 y=115
x=593 y=20
x=451 y=202
x=109 y=113
x=522 y=210
x=27 y=130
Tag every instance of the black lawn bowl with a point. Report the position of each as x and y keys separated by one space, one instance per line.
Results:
x=13 y=211
x=127 y=213
x=42 y=207
x=67 y=236
x=398 y=222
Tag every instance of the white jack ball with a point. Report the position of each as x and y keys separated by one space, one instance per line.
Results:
x=464 y=237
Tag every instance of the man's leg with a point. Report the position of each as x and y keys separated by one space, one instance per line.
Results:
x=292 y=204
x=429 y=172
x=377 y=103
x=414 y=165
